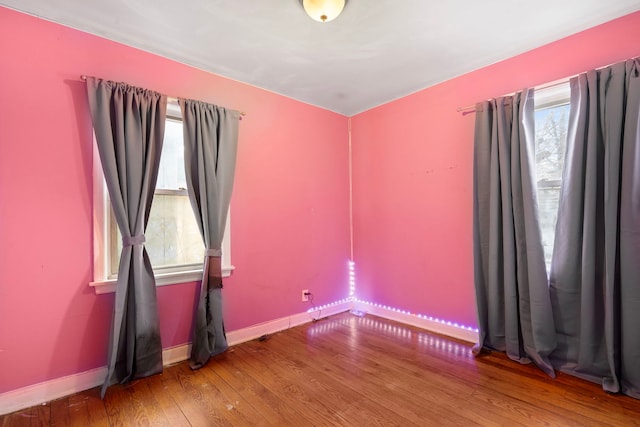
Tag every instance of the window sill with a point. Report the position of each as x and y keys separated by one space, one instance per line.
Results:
x=109 y=285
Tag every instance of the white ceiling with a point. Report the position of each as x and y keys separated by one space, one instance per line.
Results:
x=375 y=52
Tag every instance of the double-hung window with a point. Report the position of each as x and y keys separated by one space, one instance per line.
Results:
x=173 y=241
x=552 y=120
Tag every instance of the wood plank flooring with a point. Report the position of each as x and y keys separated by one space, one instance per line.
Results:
x=350 y=371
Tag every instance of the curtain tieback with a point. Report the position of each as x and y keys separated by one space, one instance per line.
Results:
x=212 y=252
x=133 y=240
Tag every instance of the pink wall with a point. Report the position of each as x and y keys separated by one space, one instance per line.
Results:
x=289 y=209
x=412 y=192
x=413 y=174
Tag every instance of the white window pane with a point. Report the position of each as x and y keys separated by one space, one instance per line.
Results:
x=548 y=213
x=172 y=234
x=551 y=137
x=551 y=141
x=171 y=173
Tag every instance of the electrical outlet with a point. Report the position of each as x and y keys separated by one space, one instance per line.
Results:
x=305 y=295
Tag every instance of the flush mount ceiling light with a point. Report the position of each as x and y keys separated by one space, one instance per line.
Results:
x=323 y=10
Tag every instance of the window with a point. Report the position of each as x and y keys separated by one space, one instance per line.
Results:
x=552 y=120
x=173 y=240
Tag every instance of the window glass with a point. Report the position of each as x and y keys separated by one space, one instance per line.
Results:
x=171 y=173
x=172 y=236
x=552 y=120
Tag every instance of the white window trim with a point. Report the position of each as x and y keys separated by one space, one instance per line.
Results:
x=553 y=95
x=102 y=283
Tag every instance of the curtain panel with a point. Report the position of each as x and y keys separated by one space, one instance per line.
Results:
x=595 y=270
x=514 y=308
x=210 y=150
x=129 y=126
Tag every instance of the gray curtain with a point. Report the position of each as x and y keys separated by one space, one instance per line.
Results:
x=210 y=148
x=129 y=127
x=514 y=309
x=595 y=271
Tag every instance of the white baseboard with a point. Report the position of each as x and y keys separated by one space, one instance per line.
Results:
x=172 y=355
x=47 y=391
x=439 y=327
x=37 y=394
x=277 y=325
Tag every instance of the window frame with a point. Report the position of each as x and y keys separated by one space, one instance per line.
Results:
x=103 y=282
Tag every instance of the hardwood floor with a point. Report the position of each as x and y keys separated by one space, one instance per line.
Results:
x=345 y=370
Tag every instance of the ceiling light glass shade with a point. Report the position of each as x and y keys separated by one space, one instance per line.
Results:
x=323 y=10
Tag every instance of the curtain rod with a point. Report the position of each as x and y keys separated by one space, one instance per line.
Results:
x=169 y=98
x=468 y=109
